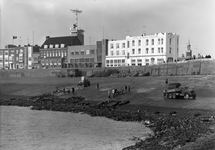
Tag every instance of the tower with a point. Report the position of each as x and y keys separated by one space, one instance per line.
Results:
x=189 y=51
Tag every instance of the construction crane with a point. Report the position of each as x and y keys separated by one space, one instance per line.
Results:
x=76 y=11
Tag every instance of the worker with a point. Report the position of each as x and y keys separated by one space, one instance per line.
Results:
x=129 y=89
x=73 y=90
x=113 y=92
x=125 y=89
x=166 y=81
x=109 y=94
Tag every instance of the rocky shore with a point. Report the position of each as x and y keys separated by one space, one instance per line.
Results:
x=170 y=130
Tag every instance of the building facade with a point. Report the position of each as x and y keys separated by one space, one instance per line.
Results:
x=87 y=56
x=18 y=57
x=143 y=50
x=53 y=52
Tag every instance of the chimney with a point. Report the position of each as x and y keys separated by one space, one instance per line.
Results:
x=47 y=37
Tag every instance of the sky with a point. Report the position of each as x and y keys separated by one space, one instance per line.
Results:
x=192 y=20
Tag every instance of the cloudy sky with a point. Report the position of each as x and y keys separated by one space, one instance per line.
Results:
x=190 y=19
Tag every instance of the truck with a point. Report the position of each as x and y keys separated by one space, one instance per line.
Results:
x=84 y=82
x=176 y=91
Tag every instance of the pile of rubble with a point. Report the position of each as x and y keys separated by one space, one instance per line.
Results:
x=130 y=74
x=169 y=130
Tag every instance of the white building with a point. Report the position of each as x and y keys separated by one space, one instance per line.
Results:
x=143 y=50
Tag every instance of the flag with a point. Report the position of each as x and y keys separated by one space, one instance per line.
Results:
x=14 y=37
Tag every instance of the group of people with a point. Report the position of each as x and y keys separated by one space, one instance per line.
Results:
x=115 y=92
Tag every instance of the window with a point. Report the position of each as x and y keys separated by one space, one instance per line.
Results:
x=161 y=41
x=72 y=53
x=45 y=46
x=76 y=52
x=160 y=60
x=133 y=43
x=152 y=50
x=123 y=60
x=133 y=62
x=82 y=52
x=147 y=50
x=17 y=51
x=152 y=41
x=139 y=42
x=62 y=45
x=123 y=45
x=117 y=45
x=139 y=62
x=147 y=42
x=107 y=61
x=161 y=49
x=111 y=53
x=115 y=62
x=56 y=46
x=111 y=46
x=117 y=52
x=139 y=51
x=158 y=49
x=128 y=44
x=170 y=50
x=87 y=52
x=50 y=46
x=158 y=41
x=169 y=41
x=133 y=51
x=91 y=51
x=123 y=52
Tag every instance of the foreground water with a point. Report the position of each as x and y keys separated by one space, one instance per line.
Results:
x=26 y=129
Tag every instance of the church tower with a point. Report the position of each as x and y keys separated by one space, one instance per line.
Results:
x=189 y=51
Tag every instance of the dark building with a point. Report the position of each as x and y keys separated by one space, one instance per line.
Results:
x=53 y=51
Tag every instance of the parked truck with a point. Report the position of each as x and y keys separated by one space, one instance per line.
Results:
x=175 y=91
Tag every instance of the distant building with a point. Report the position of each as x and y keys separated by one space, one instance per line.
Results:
x=53 y=51
x=143 y=50
x=86 y=56
x=18 y=57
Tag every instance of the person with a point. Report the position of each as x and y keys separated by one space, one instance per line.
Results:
x=109 y=94
x=129 y=89
x=125 y=89
x=113 y=92
x=73 y=90
x=97 y=85
x=166 y=81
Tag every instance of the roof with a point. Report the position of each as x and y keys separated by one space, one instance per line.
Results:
x=174 y=85
x=66 y=40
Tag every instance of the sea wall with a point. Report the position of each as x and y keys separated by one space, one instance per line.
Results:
x=192 y=67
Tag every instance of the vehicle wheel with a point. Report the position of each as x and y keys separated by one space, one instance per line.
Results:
x=170 y=95
x=174 y=96
x=194 y=96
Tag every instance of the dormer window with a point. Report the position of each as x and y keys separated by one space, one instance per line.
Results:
x=56 y=45
x=50 y=46
x=45 y=46
x=62 y=45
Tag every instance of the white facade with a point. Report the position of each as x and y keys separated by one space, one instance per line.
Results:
x=143 y=50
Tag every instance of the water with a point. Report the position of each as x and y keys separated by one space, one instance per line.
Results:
x=24 y=129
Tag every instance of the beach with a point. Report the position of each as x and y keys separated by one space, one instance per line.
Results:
x=23 y=128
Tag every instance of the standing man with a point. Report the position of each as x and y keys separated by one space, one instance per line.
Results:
x=73 y=90
x=129 y=89
x=125 y=88
x=109 y=94
x=97 y=85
